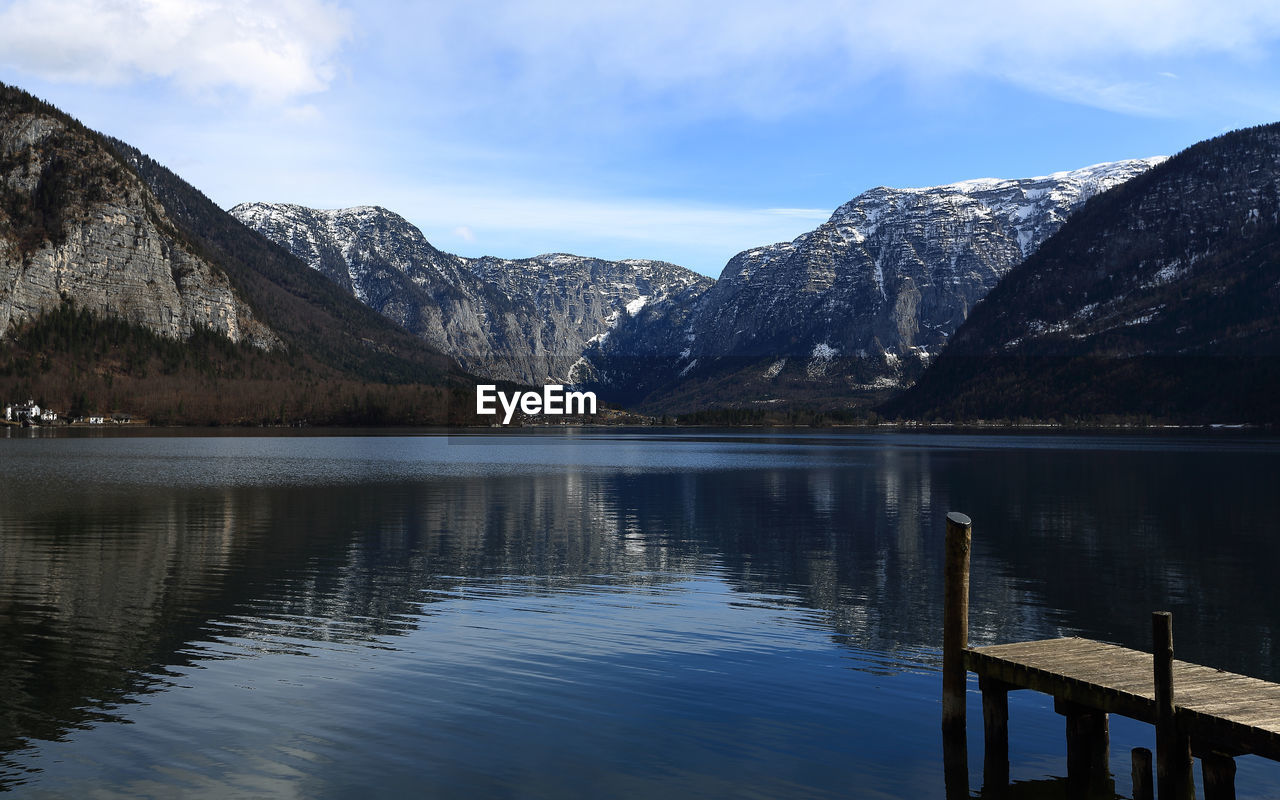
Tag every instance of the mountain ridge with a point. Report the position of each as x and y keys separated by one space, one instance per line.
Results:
x=526 y=320
x=1160 y=299
x=852 y=310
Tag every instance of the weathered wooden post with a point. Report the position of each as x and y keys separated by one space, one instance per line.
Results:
x=1173 y=748
x=995 y=738
x=1142 y=788
x=1088 y=749
x=955 y=766
x=1219 y=772
x=955 y=622
x=955 y=638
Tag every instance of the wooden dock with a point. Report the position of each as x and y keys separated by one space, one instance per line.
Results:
x=1197 y=710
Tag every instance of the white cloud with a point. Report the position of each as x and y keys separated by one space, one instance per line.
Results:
x=272 y=51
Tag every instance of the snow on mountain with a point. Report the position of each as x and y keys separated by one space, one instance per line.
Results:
x=527 y=320
x=1160 y=300
x=857 y=307
x=880 y=286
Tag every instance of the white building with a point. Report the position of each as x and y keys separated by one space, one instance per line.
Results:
x=20 y=411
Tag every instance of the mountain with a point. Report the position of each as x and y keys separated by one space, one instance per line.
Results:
x=583 y=299
x=318 y=321
x=123 y=287
x=1159 y=299
x=850 y=311
x=525 y=320
x=76 y=224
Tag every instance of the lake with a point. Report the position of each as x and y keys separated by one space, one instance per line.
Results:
x=591 y=613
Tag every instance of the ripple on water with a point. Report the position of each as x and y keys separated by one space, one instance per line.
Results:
x=715 y=616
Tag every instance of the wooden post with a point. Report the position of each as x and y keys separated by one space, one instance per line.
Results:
x=1219 y=773
x=1173 y=749
x=995 y=729
x=1088 y=750
x=955 y=622
x=955 y=766
x=1142 y=788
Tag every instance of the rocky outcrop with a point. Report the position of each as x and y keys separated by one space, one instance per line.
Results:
x=77 y=224
x=527 y=320
x=581 y=300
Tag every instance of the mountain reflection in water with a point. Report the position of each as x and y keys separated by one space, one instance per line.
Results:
x=601 y=613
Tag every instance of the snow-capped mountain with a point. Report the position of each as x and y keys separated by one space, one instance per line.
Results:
x=859 y=305
x=354 y=247
x=526 y=320
x=1160 y=299
x=849 y=311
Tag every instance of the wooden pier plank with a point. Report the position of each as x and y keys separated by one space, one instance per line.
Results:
x=1197 y=710
x=1237 y=711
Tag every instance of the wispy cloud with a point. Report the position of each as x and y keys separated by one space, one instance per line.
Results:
x=754 y=57
x=663 y=129
x=762 y=58
x=665 y=57
x=271 y=51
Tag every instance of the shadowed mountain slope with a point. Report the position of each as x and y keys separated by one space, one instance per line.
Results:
x=1160 y=298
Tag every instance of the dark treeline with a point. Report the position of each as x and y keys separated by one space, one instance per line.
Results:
x=78 y=363
x=779 y=417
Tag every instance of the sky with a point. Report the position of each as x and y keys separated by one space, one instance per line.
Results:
x=678 y=131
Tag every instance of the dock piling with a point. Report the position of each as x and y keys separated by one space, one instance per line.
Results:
x=1088 y=748
x=1219 y=773
x=955 y=623
x=1142 y=785
x=1174 y=780
x=995 y=728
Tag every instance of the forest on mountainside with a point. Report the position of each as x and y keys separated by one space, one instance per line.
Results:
x=81 y=364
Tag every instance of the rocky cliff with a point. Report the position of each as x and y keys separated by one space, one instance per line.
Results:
x=76 y=223
x=527 y=320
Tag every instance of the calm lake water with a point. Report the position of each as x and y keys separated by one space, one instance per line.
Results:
x=591 y=614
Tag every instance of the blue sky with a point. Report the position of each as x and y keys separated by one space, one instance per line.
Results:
x=670 y=130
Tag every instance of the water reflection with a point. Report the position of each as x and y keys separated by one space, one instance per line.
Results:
x=118 y=580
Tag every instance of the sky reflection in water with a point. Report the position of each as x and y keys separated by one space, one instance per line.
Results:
x=586 y=614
